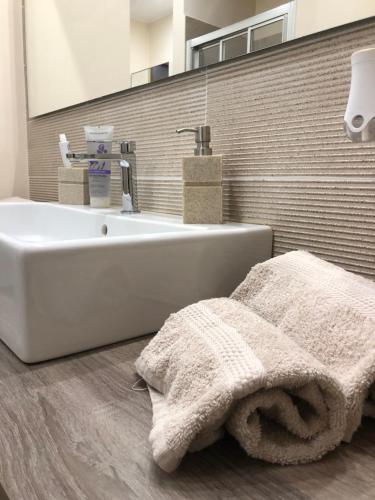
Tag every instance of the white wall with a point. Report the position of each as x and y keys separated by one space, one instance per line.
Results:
x=219 y=12
x=318 y=15
x=161 y=39
x=13 y=134
x=139 y=46
x=263 y=5
x=76 y=51
x=195 y=28
x=150 y=43
x=178 y=38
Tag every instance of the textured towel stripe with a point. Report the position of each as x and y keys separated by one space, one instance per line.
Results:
x=237 y=359
x=354 y=289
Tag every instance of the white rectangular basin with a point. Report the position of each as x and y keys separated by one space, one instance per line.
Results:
x=74 y=278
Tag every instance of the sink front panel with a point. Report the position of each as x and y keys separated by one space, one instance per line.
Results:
x=61 y=296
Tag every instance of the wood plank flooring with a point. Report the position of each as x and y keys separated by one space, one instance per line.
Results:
x=73 y=429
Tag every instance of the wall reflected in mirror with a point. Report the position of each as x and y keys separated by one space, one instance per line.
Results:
x=78 y=51
x=151 y=40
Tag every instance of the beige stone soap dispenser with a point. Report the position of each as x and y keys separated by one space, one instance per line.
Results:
x=202 y=176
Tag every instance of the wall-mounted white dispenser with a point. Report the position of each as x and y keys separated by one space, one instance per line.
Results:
x=360 y=113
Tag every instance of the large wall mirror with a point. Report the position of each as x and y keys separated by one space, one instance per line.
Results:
x=84 y=49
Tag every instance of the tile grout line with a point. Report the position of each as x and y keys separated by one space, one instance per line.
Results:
x=270 y=178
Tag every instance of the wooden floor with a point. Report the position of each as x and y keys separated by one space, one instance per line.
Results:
x=74 y=429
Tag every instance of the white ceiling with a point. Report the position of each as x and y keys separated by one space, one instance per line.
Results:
x=148 y=11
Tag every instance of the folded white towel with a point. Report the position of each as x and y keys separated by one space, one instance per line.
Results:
x=287 y=364
x=216 y=363
x=328 y=312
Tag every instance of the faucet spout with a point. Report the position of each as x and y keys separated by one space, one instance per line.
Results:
x=129 y=203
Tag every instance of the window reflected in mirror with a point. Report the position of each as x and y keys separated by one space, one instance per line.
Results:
x=266 y=28
x=234 y=46
x=267 y=35
x=209 y=55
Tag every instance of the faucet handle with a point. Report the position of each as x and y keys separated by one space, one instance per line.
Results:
x=202 y=139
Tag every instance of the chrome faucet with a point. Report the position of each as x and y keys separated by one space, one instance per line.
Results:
x=128 y=177
x=127 y=162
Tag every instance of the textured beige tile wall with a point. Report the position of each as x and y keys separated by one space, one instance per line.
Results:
x=277 y=120
x=149 y=117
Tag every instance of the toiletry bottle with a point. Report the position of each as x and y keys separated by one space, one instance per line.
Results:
x=64 y=150
x=202 y=181
x=99 y=141
x=72 y=181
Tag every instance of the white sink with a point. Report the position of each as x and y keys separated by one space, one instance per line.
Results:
x=74 y=278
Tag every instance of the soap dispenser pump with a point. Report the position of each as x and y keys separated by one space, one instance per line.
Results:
x=202 y=176
x=202 y=139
